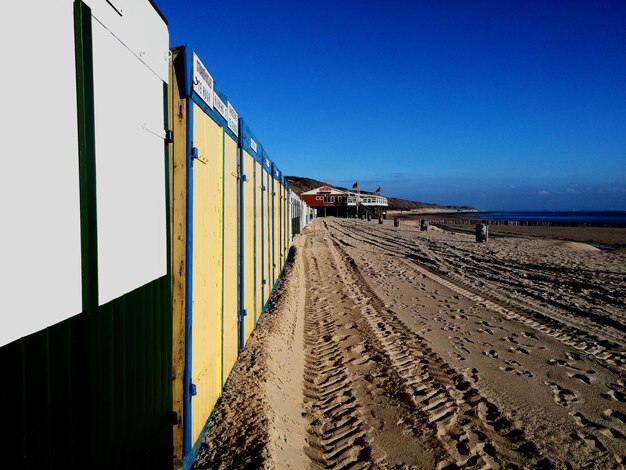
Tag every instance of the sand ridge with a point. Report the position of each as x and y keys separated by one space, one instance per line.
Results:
x=395 y=348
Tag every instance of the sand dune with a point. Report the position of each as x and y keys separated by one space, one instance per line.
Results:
x=577 y=246
x=394 y=348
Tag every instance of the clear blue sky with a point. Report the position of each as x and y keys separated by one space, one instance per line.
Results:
x=493 y=104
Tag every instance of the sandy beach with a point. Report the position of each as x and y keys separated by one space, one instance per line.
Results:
x=390 y=347
x=602 y=237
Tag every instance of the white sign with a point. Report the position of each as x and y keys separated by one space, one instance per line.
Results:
x=220 y=106
x=253 y=144
x=233 y=119
x=202 y=82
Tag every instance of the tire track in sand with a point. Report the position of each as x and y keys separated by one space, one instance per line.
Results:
x=474 y=432
x=568 y=331
x=336 y=438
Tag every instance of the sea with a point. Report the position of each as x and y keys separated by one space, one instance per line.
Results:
x=566 y=217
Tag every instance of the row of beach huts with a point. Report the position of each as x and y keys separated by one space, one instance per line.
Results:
x=145 y=231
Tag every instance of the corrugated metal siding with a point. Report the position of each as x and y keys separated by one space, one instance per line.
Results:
x=94 y=391
x=130 y=376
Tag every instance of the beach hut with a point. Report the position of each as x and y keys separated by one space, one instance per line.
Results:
x=251 y=237
x=206 y=213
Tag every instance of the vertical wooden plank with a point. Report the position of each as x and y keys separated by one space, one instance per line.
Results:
x=276 y=206
x=248 y=244
x=230 y=255
x=206 y=332
x=268 y=235
x=178 y=200
x=258 y=183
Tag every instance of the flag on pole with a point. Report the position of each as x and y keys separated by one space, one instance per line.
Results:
x=378 y=190
x=355 y=185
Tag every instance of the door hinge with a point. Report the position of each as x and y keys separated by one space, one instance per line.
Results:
x=193 y=391
x=169 y=136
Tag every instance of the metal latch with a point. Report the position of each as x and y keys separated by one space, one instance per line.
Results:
x=196 y=154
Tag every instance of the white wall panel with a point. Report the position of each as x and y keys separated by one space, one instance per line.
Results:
x=40 y=267
x=137 y=24
x=130 y=168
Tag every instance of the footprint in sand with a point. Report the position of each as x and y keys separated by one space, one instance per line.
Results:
x=580 y=374
x=582 y=377
x=519 y=350
x=615 y=395
x=490 y=353
x=456 y=356
x=615 y=415
x=471 y=375
x=510 y=339
x=562 y=396
x=529 y=335
x=583 y=422
x=516 y=367
x=557 y=362
x=461 y=348
x=573 y=356
x=592 y=441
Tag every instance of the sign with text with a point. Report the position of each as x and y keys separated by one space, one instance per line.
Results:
x=233 y=119
x=202 y=82
x=220 y=106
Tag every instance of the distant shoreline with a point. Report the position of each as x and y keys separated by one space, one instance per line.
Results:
x=605 y=237
x=523 y=218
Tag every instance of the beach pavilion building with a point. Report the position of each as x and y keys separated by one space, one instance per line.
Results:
x=340 y=203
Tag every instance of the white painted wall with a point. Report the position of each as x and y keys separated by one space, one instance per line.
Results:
x=137 y=24
x=130 y=168
x=40 y=272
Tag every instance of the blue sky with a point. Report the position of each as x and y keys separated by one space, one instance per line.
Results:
x=493 y=104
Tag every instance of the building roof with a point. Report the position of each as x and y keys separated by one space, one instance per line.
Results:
x=324 y=190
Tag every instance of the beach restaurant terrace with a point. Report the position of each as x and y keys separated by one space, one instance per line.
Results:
x=340 y=203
